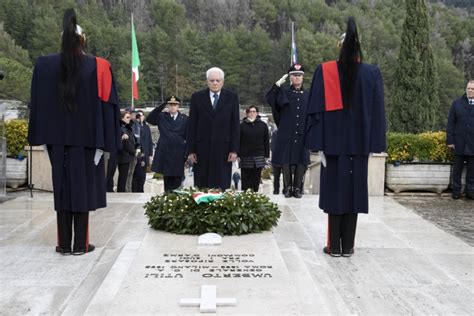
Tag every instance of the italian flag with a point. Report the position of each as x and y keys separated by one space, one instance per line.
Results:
x=135 y=64
x=201 y=197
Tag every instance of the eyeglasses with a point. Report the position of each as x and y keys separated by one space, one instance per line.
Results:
x=252 y=111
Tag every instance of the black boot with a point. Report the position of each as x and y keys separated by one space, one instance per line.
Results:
x=287 y=188
x=288 y=192
x=298 y=180
x=297 y=193
x=81 y=251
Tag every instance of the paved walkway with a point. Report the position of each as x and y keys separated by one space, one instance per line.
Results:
x=403 y=263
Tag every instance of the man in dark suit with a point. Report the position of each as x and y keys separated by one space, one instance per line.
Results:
x=213 y=135
x=460 y=138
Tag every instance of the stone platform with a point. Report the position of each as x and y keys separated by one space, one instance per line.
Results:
x=403 y=265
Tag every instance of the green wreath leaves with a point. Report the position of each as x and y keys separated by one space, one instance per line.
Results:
x=235 y=213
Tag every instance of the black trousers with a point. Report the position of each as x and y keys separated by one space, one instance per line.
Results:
x=122 y=177
x=172 y=183
x=251 y=178
x=457 y=173
x=341 y=232
x=293 y=177
x=139 y=176
x=65 y=221
x=111 y=168
x=276 y=179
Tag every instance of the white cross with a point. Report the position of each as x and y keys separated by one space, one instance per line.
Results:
x=208 y=302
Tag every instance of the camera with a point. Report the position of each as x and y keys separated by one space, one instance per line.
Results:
x=138 y=116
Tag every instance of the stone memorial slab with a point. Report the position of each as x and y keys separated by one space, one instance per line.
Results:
x=208 y=302
x=170 y=267
x=209 y=239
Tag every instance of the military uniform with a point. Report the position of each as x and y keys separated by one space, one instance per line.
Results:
x=289 y=106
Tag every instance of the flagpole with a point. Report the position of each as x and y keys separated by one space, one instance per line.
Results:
x=292 y=41
x=131 y=68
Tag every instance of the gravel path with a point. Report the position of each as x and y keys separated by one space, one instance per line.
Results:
x=453 y=216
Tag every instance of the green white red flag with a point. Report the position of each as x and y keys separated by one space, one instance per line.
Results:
x=135 y=64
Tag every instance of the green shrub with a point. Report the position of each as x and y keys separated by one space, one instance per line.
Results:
x=157 y=176
x=16 y=133
x=232 y=214
x=423 y=147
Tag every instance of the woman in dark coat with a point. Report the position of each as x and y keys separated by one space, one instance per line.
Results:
x=170 y=152
x=127 y=154
x=254 y=148
x=74 y=111
x=346 y=122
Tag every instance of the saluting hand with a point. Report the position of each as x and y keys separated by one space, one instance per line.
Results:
x=451 y=146
x=282 y=80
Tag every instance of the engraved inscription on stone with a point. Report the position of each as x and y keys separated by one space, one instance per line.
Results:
x=209 y=266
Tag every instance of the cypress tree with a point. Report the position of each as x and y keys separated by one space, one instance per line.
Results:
x=415 y=101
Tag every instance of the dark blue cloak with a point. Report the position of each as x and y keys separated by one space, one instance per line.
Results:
x=72 y=137
x=347 y=137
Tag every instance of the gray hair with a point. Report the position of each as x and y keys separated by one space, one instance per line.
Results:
x=215 y=69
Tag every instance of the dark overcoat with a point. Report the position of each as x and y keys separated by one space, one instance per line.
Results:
x=347 y=136
x=72 y=137
x=213 y=134
x=127 y=154
x=460 y=131
x=254 y=144
x=146 y=142
x=170 y=151
x=289 y=108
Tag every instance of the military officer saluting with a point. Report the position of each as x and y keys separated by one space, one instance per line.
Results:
x=170 y=152
x=290 y=106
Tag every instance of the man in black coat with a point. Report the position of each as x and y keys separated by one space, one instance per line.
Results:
x=460 y=138
x=289 y=106
x=213 y=135
x=170 y=152
x=146 y=149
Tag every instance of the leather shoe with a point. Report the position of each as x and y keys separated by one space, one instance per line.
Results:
x=332 y=253
x=288 y=192
x=276 y=192
x=81 y=251
x=347 y=252
x=470 y=196
x=64 y=251
x=297 y=194
x=455 y=196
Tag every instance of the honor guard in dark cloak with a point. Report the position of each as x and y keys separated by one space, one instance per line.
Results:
x=289 y=106
x=170 y=151
x=74 y=112
x=346 y=122
x=214 y=131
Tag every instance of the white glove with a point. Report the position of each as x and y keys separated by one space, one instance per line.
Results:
x=98 y=155
x=137 y=152
x=322 y=156
x=282 y=80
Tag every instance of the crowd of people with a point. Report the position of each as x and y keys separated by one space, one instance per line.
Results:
x=342 y=118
